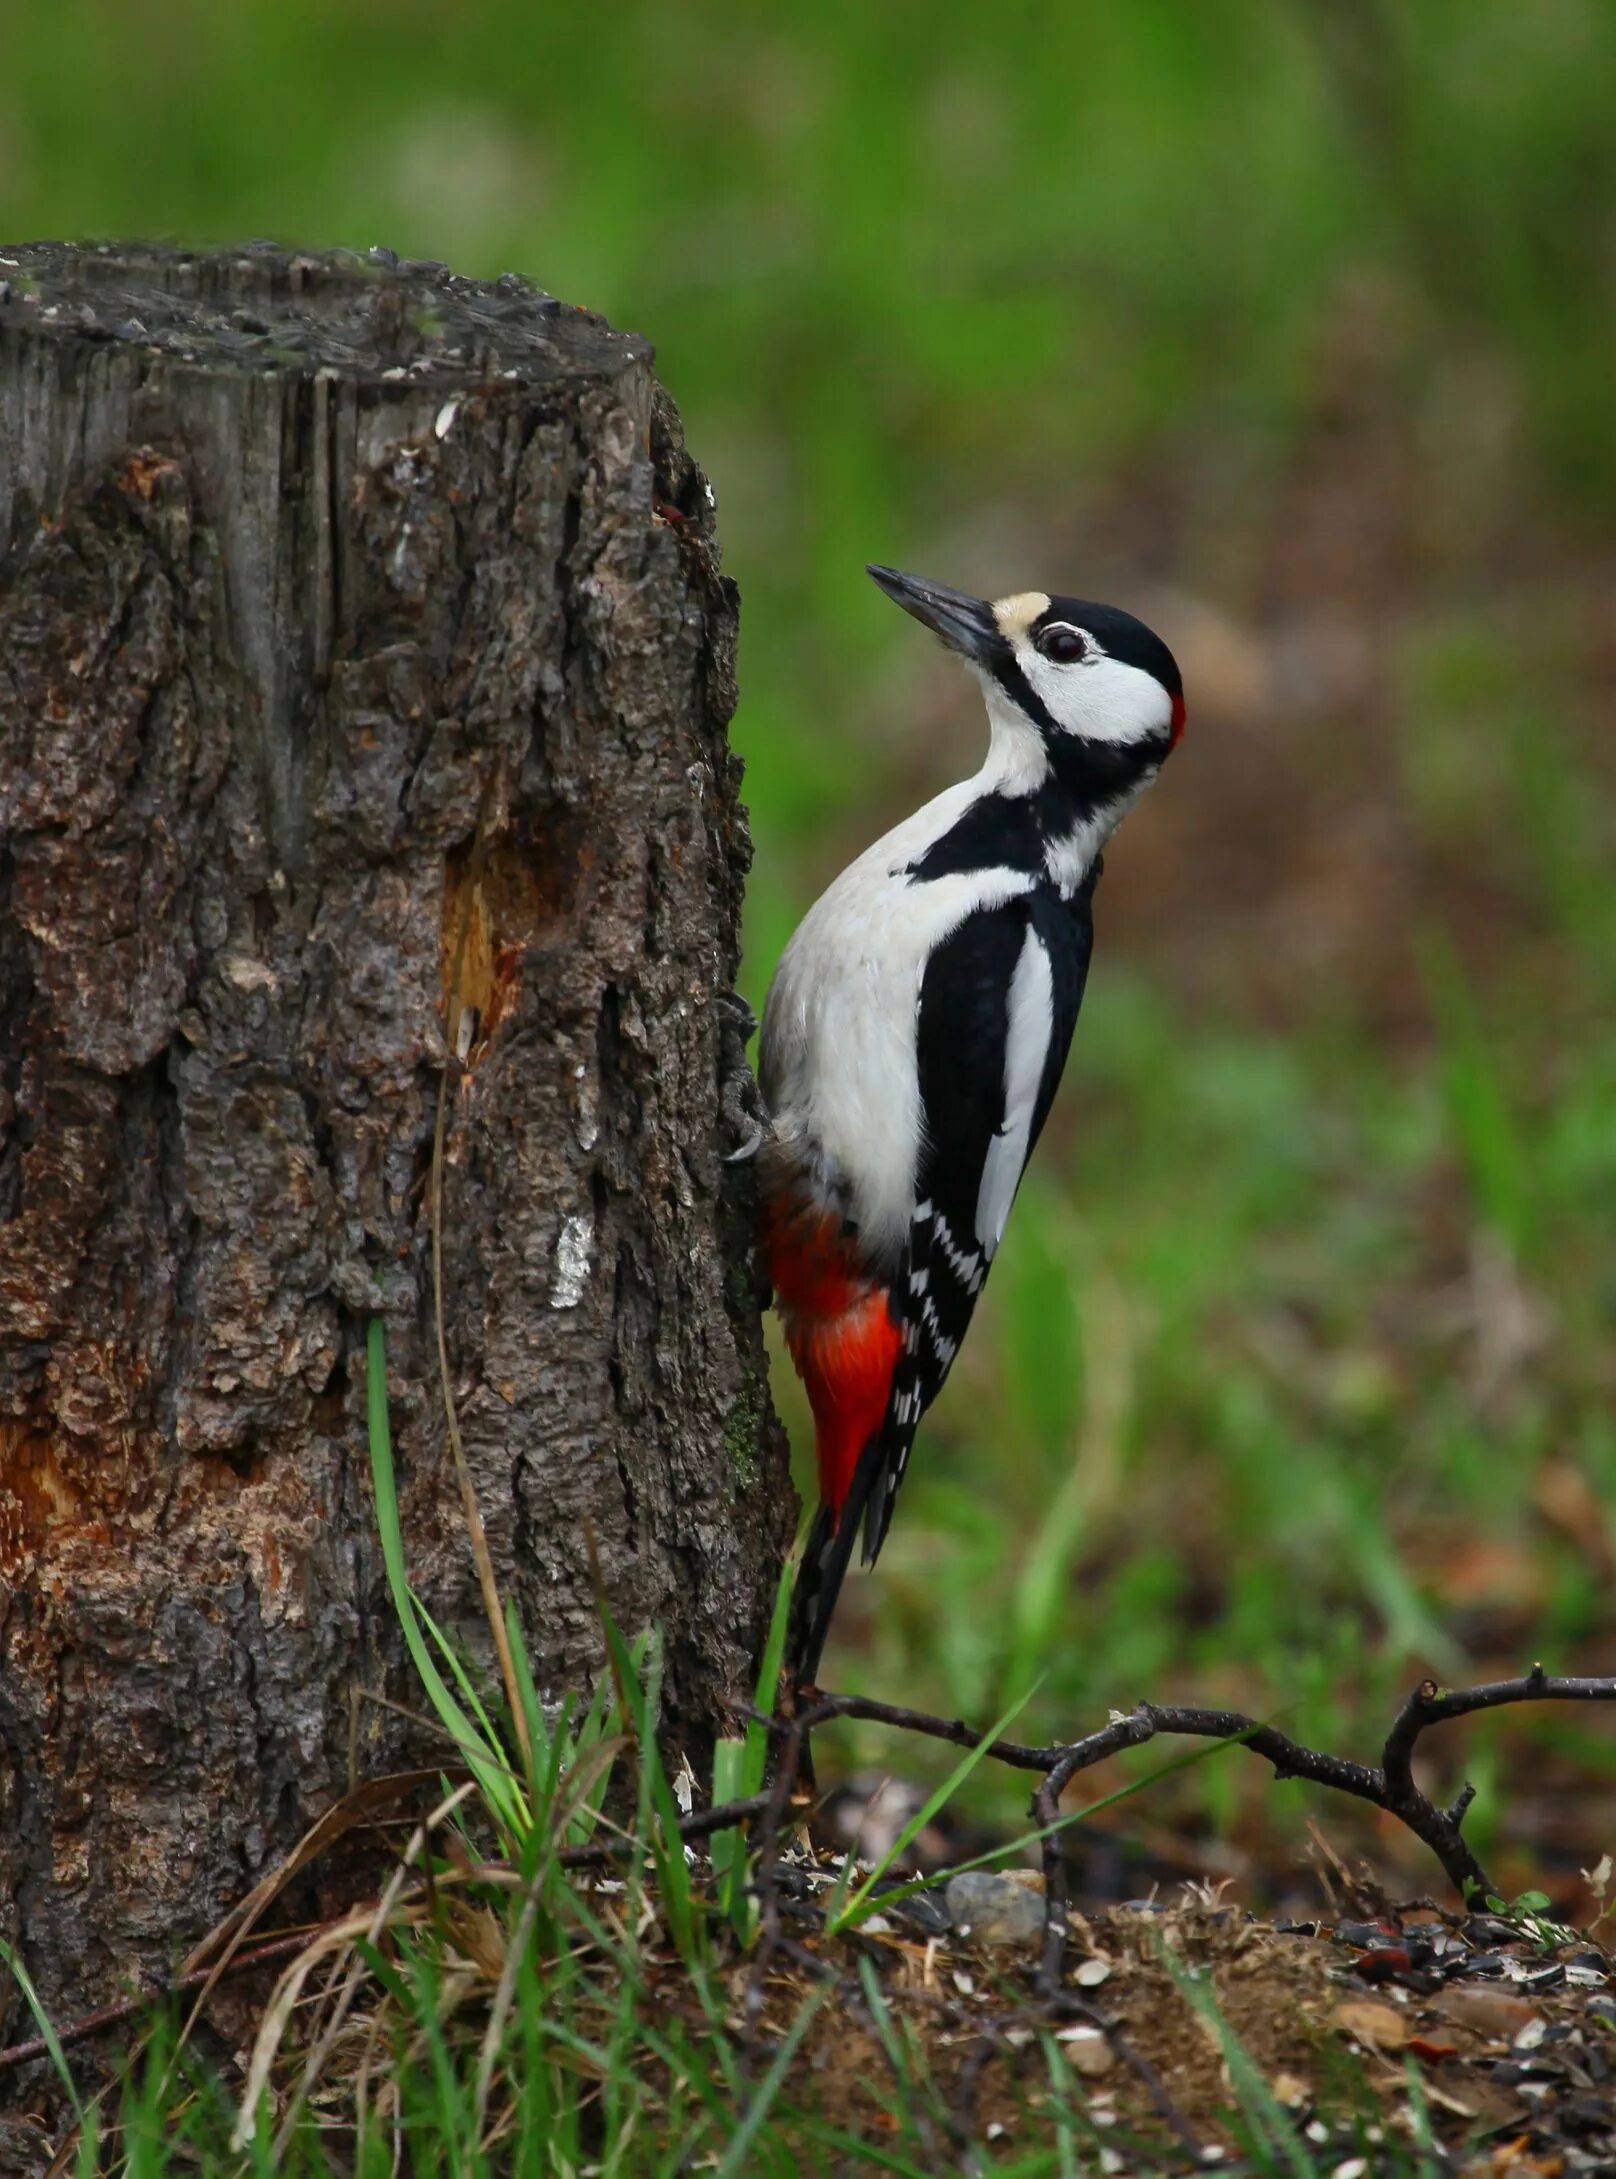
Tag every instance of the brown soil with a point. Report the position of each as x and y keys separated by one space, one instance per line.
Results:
x=1385 y=2050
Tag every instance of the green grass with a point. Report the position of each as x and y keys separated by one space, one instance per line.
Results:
x=497 y=2013
x=1262 y=1459
x=494 y=2012
x=1168 y=297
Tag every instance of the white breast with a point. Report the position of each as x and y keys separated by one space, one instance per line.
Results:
x=839 y=1026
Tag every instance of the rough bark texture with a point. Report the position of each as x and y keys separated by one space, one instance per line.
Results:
x=304 y=561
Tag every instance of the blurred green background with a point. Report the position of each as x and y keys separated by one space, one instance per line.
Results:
x=1287 y=325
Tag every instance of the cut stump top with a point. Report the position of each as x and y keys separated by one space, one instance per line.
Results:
x=369 y=316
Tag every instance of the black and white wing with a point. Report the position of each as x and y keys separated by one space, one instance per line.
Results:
x=998 y=1005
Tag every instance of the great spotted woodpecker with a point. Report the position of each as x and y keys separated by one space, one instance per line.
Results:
x=916 y=1029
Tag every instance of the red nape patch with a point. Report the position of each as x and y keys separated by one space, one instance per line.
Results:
x=840 y=1332
x=1178 y=722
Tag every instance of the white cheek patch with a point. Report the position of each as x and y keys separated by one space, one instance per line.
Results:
x=1100 y=698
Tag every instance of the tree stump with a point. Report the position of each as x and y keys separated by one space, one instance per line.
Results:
x=346 y=607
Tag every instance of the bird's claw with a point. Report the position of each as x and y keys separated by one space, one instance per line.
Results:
x=740 y=1100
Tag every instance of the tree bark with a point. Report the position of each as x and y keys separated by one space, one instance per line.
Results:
x=307 y=563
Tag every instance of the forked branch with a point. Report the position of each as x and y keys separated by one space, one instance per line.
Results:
x=1389 y=1785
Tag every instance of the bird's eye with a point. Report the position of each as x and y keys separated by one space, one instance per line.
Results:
x=1063 y=644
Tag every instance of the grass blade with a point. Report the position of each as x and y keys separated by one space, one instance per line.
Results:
x=1044 y=1831
x=46 y=2026
x=734 y=2161
x=861 y=1904
x=1275 y=2136
x=739 y=1767
x=486 y=1764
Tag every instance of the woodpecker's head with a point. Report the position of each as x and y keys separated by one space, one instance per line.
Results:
x=1100 y=692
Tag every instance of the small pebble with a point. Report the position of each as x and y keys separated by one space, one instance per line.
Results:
x=992 y=1909
x=1087 y=2052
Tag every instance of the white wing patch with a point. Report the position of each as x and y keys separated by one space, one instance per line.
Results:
x=1031 y=1025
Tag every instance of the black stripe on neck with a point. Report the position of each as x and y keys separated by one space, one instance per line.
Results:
x=1005 y=832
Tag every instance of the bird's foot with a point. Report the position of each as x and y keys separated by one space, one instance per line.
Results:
x=746 y=1116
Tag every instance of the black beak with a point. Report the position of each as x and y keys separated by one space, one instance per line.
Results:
x=965 y=624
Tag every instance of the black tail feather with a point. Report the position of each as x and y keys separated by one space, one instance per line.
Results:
x=820 y=1576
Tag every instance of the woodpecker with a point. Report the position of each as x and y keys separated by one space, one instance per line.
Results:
x=915 y=1031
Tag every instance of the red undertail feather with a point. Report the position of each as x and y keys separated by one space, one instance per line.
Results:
x=841 y=1335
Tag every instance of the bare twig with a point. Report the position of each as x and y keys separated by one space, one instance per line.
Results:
x=1389 y=1786
x=701 y=1823
x=113 y=2016
x=766 y=1862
